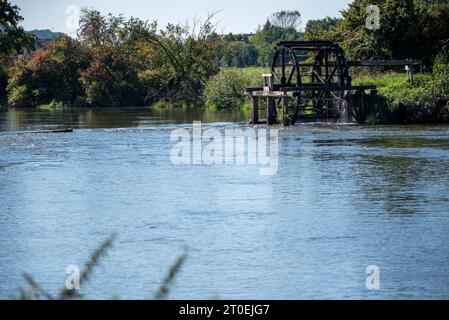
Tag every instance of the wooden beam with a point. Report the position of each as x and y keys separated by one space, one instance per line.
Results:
x=384 y=63
x=255 y=110
x=289 y=91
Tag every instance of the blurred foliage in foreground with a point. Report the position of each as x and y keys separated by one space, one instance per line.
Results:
x=34 y=291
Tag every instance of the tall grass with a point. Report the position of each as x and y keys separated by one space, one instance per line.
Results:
x=226 y=89
x=426 y=100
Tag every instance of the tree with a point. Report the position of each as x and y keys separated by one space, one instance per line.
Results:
x=408 y=29
x=110 y=80
x=266 y=38
x=51 y=75
x=12 y=40
x=97 y=29
x=189 y=52
x=359 y=42
x=433 y=26
x=12 y=36
x=286 y=19
x=119 y=62
x=92 y=28
x=318 y=29
x=249 y=55
x=398 y=28
x=236 y=54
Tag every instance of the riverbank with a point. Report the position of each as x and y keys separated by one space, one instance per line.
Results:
x=398 y=101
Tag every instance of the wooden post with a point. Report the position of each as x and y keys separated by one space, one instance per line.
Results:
x=285 y=111
x=409 y=69
x=345 y=111
x=269 y=101
x=254 y=110
x=363 y=107
x=270 y=111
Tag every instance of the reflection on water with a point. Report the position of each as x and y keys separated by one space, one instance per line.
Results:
x=40 y=119
x=344 y=198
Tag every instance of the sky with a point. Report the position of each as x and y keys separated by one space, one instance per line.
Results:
x=236 y=16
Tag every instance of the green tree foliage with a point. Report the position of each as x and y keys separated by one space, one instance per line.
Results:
x=408 y=29
x=357 y=40
x=399 y=28
x=241 y=50
x=318 y=29
x=174 y=62
x=110 y=80
x=118 y=62
x=12 y=40
x=12 y=36
x=269 y=34
x=190 y=52
x=433 y=29
x=46 y=34
x=237 y=54
x=286 y=20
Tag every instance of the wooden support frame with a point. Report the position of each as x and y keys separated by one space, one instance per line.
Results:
x=271 y=111
x=254 y=110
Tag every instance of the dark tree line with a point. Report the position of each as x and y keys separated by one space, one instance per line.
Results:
x=116 y=62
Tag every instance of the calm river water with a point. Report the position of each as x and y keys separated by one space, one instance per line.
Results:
x=344 y=198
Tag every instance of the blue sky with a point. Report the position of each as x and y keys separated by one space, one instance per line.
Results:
x=235 y=16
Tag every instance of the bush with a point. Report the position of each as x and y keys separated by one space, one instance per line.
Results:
x=226 y=89
x=20 y=87
x=56 y=105
x=51 y=74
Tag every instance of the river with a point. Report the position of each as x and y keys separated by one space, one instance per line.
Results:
x=344 y=197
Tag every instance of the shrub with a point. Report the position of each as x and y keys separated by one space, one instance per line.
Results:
x=55 y=105
x=51 y=74
x=226 y=89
